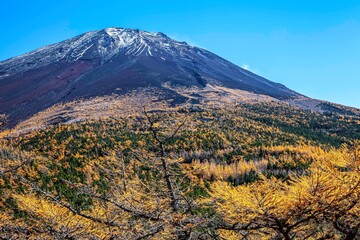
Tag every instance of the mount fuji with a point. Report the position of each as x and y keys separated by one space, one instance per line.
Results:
x=119 y=61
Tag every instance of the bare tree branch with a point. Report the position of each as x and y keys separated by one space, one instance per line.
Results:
x=67 y=206
x=165 y=166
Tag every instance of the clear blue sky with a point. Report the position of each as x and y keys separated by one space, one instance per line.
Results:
x=312 y=46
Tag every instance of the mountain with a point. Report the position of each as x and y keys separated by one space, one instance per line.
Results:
x=217 y=152
x=118 y=61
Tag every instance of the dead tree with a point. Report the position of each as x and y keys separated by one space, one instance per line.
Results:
x=160 y=142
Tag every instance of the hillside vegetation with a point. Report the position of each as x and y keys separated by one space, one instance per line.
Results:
x=251 y=171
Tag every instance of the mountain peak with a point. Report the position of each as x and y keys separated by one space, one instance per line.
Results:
x=102 y=44
x=101 y=62
x=117 y=31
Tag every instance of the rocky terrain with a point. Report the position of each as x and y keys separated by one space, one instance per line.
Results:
x=117 y=61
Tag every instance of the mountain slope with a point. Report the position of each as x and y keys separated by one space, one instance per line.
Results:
x=116 y=60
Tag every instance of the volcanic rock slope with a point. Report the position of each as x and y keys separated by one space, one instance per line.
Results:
x=117 y=61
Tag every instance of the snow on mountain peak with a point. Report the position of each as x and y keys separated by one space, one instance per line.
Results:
x=100 y=62
x=102 y=44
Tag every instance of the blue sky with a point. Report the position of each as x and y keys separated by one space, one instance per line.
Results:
x=312 y=47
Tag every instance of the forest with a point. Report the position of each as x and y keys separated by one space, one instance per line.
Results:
x=249 y=171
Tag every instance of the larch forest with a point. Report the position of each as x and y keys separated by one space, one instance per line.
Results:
x=249 y=171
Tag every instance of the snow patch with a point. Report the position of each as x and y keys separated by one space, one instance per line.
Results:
x=82 y=53
x=149 y=52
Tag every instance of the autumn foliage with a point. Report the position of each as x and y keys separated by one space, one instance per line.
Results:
x=237 y=173
x=321 y=204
